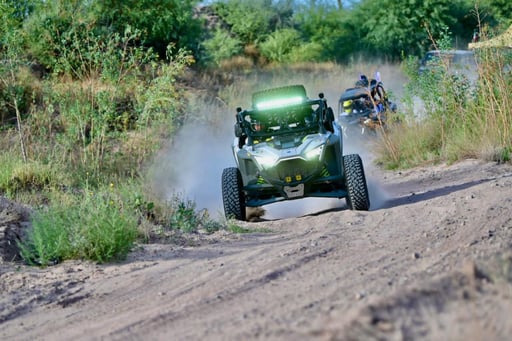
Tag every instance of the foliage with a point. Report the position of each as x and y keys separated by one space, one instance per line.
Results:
x=94 y=226
x=43 y=30
x=16 y=10
x=461 y=119
x=392 y=26
x=186 y=218
x=221 y=46
x=278 y=45
x=17 y=176
x=307 y=52
x=163 y=22
x=160 y=99
x=97 y=108
x=243 y=26
x=110 y=97
x=248 y=20
x=495 y=12
x=325 y=26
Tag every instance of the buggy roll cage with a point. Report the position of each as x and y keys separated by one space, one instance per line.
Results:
x=292 y=119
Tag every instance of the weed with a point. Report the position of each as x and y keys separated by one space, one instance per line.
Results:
x=184 y=217
x=211 y=225
x=94 y=226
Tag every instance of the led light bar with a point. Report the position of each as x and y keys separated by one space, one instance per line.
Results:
x=279 y=102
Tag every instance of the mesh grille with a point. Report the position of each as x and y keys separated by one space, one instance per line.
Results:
x=291 y=168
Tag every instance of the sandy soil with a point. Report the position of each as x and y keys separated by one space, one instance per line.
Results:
x=432 y=260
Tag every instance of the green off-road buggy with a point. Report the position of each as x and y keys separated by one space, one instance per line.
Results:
x=287 y=147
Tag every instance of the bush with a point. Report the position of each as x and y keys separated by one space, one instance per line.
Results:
x=221 y=46
x=248 y=20
x=307 y=52
x=18 y=177
x=461 y=119
x=185 y=217
x=93 y=226
x=279 y=44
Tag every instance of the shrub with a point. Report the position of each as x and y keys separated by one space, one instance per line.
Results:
x=461 y=119
x=185 y=217
x=93 y=226
x=307 y=52
x=17 y=176
x=279 y=44
x=221 y=46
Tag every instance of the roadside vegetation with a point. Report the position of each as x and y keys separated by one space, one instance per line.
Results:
x=90 y=91
x=463 y=117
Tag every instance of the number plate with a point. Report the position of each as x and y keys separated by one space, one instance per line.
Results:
x=294 y=191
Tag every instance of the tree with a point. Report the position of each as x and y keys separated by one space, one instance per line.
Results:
x=17 y=10
x=248 y=20
x=323 y=24
x=221 y=46
x=391 y=27
x=496 y=11
x=278 y=45
x=162 y=22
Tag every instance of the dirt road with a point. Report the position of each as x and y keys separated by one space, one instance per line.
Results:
x=432 y=260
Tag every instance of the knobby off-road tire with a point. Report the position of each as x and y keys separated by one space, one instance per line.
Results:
x=232 y=194
x=357 y=188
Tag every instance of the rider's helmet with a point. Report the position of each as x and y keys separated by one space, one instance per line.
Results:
x=363 y=81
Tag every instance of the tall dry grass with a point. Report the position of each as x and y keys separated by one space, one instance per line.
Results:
x=462 y=118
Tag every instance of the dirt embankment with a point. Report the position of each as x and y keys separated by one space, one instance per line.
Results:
x=432 y=260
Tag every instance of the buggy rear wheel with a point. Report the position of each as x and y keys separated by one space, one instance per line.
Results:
x=233 y=196
x=357 y=198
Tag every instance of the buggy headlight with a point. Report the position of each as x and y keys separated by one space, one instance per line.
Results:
x=266 y=160
x=314 y=153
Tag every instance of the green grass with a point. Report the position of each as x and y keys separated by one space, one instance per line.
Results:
x=97 y=226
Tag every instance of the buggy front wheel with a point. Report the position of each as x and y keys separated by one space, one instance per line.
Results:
x=357 y=197
x=233 y=196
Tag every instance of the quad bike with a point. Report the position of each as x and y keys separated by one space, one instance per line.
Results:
x=289 y=147
x=364 y=108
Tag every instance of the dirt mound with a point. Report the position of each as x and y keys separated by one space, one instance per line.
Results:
x=14 y=220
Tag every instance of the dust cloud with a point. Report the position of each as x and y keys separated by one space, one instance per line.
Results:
x=191 y=165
